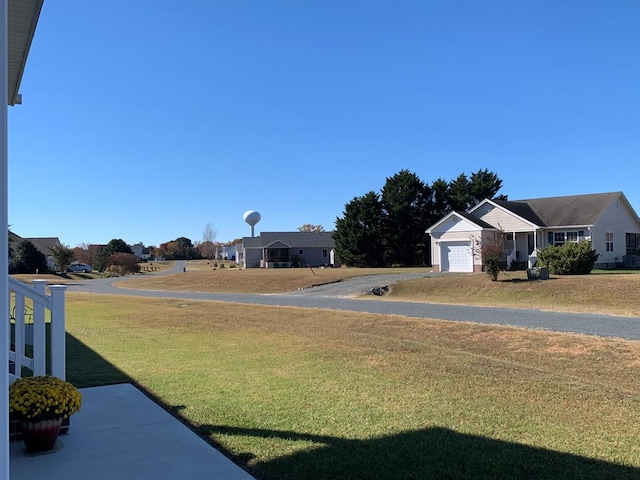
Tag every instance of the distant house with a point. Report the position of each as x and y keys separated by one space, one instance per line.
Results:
x=42 y=244
x=226 y=252
x=141 y=251
x=287 y=249
x=607 y=219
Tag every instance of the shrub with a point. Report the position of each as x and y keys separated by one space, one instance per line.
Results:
x=492 y=256
x=127 y=261
x=569 y=259
x=491 y=262
x=28 y=259
x=115 y=271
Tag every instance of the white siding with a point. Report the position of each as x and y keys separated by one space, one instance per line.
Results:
x=454 y=224
x=501 y=219
x=619 y=219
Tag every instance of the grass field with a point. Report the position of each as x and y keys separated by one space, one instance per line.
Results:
x=609 y=294
x=310 y=394
x=202 y=276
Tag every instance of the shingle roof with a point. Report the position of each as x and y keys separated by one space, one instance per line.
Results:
x=293 y=239
x=562 y=211
x=476 y=220
x=43 y=244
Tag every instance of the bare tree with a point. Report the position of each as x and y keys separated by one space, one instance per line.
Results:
x=208 y=247
x=307 y=227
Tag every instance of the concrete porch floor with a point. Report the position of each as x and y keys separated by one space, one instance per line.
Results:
x=122 y=434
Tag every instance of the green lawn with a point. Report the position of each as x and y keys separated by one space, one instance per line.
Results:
x=309 y=394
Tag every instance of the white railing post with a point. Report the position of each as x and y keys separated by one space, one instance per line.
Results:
x=39 y=332
x=58 y=332
x=18 y=335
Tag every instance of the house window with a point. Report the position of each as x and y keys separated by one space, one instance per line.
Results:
x=300 y=251
x=558 y=238
x=609 y=241
x=633 y=243
x=325 y=254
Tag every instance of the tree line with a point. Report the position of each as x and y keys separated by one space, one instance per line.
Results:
x=115 y=258
x=388 y=228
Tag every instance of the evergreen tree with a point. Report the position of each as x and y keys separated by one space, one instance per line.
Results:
x=466 y=192
x=440 y=199
x=484 y=184
x=358 y=234
x=406 y=203
x=393 y=223
x=459 y=193
x=28 y=259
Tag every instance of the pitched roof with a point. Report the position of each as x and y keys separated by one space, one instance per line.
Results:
x=562 y=211
x=467 y=216
x=293 y=239
x=43 y=244
x=481 y=223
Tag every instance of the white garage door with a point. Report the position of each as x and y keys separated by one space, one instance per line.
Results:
x=456 y=257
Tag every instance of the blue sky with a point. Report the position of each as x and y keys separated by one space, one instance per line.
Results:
x=147 y=119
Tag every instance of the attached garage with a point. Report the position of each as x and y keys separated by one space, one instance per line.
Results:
x=453 y=241
x=456 y=256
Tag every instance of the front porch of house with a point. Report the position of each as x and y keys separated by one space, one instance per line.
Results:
x=121 y=433
x=518 y=249
x=280 y=257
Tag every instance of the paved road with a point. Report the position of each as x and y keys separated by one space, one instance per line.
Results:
x=336 y=297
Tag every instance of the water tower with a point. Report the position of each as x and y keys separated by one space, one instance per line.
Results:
x=251 y=217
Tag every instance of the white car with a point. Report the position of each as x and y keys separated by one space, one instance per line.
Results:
x=79 y=267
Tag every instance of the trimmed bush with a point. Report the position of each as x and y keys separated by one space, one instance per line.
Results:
x=569 y=259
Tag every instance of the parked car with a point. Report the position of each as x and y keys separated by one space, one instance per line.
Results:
x=79 y=267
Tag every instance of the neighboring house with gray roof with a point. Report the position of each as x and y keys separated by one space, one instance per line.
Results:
x=287 y=249
x=42 y=244
x=607 y=219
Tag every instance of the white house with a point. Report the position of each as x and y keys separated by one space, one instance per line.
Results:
x=607 y=219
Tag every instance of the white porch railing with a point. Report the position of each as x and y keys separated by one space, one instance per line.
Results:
x=30 y=348
x=511 y=257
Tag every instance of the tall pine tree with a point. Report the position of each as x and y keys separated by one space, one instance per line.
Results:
x=484 y=184
x=406 y=203
x=358 y=234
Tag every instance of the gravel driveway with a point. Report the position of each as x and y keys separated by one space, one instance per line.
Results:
x=357 y=286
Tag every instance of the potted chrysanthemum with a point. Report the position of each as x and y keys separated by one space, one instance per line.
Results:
x=40 y=404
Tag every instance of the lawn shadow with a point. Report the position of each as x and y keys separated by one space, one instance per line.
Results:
x=86 y=368
x=435 y=452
